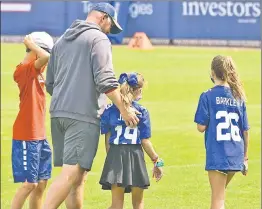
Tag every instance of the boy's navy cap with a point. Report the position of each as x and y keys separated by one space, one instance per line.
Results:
x=110 y=10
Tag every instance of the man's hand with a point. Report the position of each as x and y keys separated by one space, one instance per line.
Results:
x=128 y=114
x=130 y=118
x=29 y=42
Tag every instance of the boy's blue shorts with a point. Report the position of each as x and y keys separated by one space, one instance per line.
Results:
x=31 y=161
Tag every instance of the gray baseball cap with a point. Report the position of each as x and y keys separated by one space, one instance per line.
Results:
x=43 y=40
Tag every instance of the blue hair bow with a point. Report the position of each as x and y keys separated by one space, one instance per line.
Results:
x=131 y=80
x=122 y=78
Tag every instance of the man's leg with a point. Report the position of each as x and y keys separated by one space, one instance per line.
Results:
x=36 y=195
x=62 y=185
x=58 y=139
x=75 y=198
x=80 y=146
x=65 y=180
x=86 y=138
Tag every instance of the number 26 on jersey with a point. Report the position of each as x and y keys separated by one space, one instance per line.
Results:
x=234 y=130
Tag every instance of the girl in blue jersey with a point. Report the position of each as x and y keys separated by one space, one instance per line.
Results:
x=125 y=169
x=222 y=115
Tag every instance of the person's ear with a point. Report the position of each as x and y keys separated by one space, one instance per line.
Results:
x=105 y=17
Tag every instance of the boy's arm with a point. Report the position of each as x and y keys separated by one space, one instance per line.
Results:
x=43 y=56
x=107 y=136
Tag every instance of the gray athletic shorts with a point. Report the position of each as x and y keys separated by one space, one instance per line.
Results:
x=74 y=142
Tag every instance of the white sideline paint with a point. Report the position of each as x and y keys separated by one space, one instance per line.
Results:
x=149 y=169
x=201 y=165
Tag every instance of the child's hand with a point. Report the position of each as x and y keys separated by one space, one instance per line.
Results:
x=28 y=41
x=157 y=173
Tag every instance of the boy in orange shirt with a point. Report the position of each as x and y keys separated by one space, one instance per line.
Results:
x=31 y=153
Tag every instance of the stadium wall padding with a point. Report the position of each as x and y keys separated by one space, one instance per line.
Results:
x=221 y=20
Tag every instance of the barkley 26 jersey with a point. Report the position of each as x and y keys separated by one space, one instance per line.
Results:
x=111 y=121
x=226 y=120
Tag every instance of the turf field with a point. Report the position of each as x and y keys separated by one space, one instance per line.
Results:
x=176 y=77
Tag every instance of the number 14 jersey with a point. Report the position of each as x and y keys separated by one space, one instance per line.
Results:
x=111 y=121
x=226 y=120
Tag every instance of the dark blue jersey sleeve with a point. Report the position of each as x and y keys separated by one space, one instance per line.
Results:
x=202 y=113
x=145 y=125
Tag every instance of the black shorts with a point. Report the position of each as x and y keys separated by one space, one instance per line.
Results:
x=227 y=171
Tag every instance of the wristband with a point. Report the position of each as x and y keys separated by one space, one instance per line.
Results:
x=159 y=163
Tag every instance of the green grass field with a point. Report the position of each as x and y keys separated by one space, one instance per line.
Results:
x=176 y=77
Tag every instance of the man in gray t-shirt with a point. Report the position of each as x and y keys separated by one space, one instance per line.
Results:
x=79 y=77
